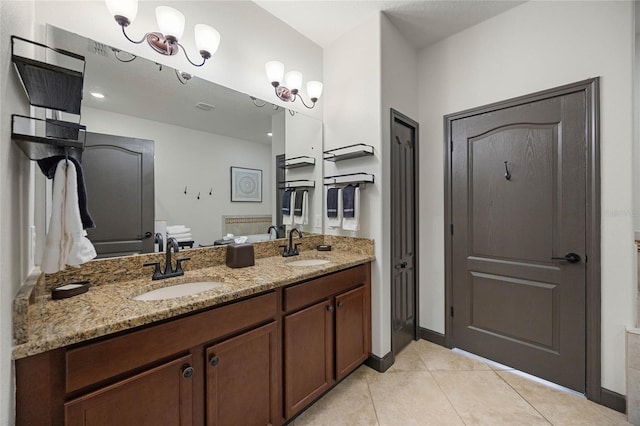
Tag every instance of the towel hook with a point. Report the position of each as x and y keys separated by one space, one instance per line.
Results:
x=185 y=190
x=198 y=195
x=211 y=191
x=507 y=173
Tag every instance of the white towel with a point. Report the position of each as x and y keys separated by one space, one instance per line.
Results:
x=184 y=239
x=303 y=218
x=287 y=219
x=178 y=236
x=336 y=222
x=66 y=242
x=352 y=223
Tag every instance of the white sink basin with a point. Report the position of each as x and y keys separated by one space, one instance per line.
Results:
x=178 y=290
x=308 y=262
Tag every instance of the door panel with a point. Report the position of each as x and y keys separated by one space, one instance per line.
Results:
x=120 y=186
x=403 y=231
x=352 y=347
x=513 y=302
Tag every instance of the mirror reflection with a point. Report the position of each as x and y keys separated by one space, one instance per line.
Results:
x=216 y=154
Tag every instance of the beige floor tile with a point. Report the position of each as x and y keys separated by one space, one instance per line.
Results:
x=483 y=398
x=410 y=398
x=408 y=360
x=349 y=403
x=562 y=408
x=438 y=358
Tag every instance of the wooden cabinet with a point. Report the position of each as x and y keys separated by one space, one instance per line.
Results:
x=257 y=361
x=162 y=395
x=326 y=339
x=242 y=379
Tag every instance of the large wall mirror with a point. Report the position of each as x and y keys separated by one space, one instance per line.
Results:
x=217 y=166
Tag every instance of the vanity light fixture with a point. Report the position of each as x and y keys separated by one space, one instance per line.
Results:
x=171 y=23
x=289 y=91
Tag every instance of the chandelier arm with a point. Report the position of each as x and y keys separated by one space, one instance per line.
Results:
x=304 y=103
x=188 y=59
x=131 y=40
x=115 y=53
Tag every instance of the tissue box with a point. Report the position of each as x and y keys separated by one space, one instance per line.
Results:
x=240 y=255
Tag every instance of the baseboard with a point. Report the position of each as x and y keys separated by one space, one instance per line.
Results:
x=380 y=364
x=613 y=400
x=432 y=336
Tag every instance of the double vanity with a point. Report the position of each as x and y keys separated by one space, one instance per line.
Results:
x=250 y=346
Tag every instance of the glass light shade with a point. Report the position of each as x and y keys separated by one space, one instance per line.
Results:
x=207 y=38
x=314 y=89
x=293 y=80
x=170 y=21
x=275 y=71
x=126 y=8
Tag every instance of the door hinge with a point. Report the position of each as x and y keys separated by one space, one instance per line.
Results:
x=586 y=258
x=452 y=311
x=452 y=229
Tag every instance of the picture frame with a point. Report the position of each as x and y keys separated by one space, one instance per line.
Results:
x=246 y=185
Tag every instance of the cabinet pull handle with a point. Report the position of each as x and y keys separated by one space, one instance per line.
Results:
x=330 y=308
x=214 y=361
x=340 y=304
x=187 y=372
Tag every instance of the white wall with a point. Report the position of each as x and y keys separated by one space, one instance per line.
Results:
x=352 y=115
x=536 y=46
x=16 y=192
x=250 y=36
x=197 y=160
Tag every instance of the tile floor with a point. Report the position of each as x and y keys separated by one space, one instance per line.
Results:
x=432 y=385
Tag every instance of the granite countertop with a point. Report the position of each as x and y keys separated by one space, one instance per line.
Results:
x=107 y=309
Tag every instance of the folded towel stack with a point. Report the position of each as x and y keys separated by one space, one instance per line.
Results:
x=180 y=232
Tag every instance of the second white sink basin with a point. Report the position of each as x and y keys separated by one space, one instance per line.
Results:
x=178 y=290
x=308 y=262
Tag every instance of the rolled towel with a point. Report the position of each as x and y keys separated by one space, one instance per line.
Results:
x=183 y=235
x=177 y=229
x=334 y=208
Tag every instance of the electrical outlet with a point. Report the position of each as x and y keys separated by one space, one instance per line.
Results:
x=318 y=221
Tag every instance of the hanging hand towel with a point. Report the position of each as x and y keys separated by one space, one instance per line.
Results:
x=288 y=204
x=48 y=167
x=300 y=214
x=66 y=243
x=334 y=207
x=351 y=210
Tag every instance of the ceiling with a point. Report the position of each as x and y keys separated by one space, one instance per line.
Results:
x=421 y=22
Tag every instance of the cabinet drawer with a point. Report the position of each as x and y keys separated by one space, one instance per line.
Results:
x=98 y=361
x=300 y=295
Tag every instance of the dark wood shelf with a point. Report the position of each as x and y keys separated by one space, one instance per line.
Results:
x=45 y=144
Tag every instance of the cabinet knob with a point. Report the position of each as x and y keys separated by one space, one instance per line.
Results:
x=340 y=304
x=214 y=361
x=330 y=308
x=187 y=372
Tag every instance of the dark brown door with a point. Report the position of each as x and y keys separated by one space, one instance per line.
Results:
x=404 y=321
x=518 y=208
x=119 y=178
x=160 y=396
x=352 y=347
x=242 y=379
x=308 y=355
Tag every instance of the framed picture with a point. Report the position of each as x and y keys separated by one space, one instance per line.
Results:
x=246 y=184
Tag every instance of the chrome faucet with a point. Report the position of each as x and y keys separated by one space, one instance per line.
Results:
x=292 y=249
x=169 y=272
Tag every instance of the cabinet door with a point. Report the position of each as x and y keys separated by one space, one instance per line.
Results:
x=242 y=379
x=160 y=396
x=308 y=353
x=352 y=335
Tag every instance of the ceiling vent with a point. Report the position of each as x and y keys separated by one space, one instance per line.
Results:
x=205 y=106
x=98 y=48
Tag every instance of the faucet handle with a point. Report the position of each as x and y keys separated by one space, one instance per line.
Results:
x=179 y=264
x=156 y=271
x=284 y=249
x=295 y=248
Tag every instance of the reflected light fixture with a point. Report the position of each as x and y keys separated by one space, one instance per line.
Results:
x=289 y=91
x=171 y=24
